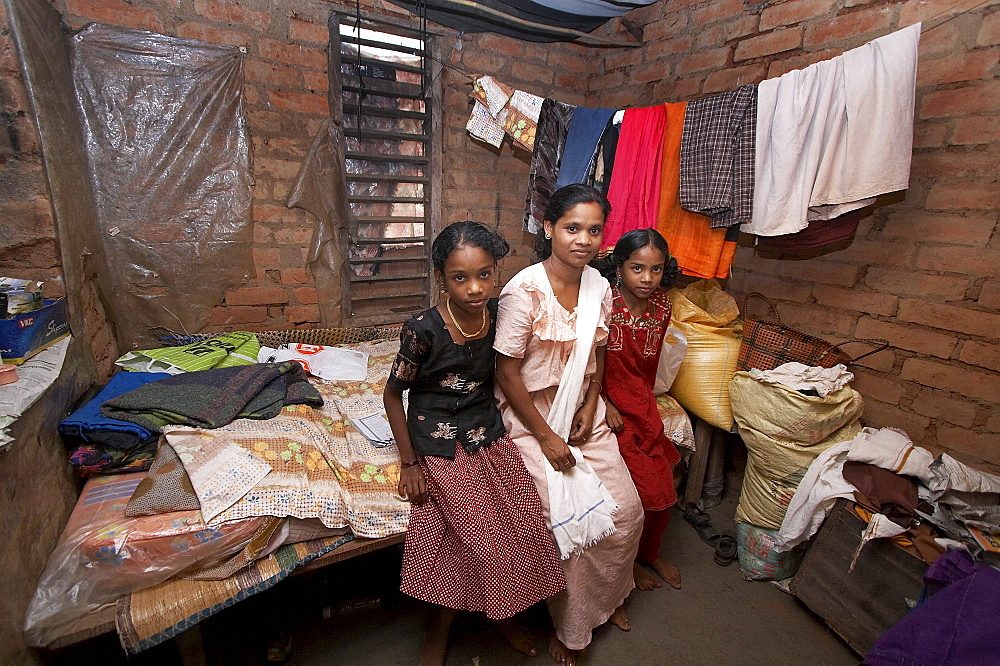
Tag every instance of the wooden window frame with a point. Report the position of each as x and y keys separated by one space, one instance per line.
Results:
x=369 y=300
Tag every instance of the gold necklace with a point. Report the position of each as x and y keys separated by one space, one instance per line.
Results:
x=482 y=328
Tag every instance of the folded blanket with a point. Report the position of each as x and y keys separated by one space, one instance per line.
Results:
x=89 y=425
x=213 y=398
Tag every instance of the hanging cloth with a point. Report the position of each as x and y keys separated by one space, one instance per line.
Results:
x=580 y=507
x=500 y=109
x=700 y=250
x=604 y=160
x=717 y=156
x=550 y=139
x=635 y=182
x=835 y=134
x=585 y=132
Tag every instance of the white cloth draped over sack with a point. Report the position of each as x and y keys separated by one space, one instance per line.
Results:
x=580 y=507
x=835 y=134
x=824 y=482
x=802 y=377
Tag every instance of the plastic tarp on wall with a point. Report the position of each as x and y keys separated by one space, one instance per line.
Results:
x=169 y=162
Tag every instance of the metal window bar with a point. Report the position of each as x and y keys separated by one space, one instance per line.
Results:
x=388 y=118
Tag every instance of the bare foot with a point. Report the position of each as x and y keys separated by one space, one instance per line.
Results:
x=668 y=571
x=436 y=642
x=620 y=619
x=516 y=636
x=643 y=579
x=560 y=653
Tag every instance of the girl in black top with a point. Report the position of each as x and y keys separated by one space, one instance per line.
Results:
x=477 y=540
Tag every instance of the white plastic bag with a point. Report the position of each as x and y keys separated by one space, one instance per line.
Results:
x=333 y=364
x=675 y=346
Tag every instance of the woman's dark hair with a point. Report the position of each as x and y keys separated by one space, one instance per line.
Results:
x=633 y=241
x=561 y=201
x=471 y=234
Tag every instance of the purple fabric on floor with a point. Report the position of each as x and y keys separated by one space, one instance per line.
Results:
x=951 y=567
x=958 y=625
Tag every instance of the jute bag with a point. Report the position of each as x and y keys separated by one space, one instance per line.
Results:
x=709 y=319
x=784 y=430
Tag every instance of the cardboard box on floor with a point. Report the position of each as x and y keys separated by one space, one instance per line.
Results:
x=24 y=335
x=859 y=605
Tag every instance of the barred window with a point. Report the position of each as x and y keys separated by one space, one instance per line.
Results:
x=390 y=135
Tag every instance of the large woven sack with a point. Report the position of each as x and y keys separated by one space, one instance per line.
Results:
x=784 y=431
x=709 y=319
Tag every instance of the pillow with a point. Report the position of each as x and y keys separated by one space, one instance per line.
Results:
x=166 y=487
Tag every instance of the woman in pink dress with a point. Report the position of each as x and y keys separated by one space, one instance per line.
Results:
x=551 y=332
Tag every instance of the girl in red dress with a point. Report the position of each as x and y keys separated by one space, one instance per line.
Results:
x=639 y=266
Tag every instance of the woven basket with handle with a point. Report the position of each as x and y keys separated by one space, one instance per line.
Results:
x=769 y=343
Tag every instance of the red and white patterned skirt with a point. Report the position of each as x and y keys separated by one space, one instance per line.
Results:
x=480 y=542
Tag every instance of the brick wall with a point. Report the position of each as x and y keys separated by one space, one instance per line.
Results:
x=28 y=245
x=286 y=86
x=488 y=185
x=924 y=271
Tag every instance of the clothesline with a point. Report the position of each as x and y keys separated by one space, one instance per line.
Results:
x=788 y=137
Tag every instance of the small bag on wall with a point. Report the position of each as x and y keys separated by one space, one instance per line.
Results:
x=709 y=318
x=769 y=343
x=784 y=430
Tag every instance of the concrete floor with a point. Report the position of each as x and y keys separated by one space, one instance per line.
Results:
x=717 y=618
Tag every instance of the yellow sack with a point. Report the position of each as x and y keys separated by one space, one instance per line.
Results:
x=784 y=431
x=709 y=319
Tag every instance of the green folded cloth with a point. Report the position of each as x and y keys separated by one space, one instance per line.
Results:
x=225 y=351
x=213 y=398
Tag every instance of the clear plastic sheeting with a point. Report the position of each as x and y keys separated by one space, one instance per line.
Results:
x=103 y=554
x=169 y=162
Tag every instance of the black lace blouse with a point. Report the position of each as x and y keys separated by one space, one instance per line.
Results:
x=451 y=386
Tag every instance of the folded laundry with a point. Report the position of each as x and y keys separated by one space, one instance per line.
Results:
x=213 y=398
x=89 y=425
x=824 y=481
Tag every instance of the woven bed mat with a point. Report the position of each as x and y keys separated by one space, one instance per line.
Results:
x=157 y=614
x=311 y=336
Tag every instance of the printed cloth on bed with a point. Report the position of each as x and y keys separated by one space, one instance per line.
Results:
x=676 y=422
x=213 y=398
x=157 y=614
x=102 y=553
x=229 y=350
x=98 y=460
x=320 y=466
x=87 y=424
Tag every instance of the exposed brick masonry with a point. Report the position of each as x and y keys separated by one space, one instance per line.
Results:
x=923 y=271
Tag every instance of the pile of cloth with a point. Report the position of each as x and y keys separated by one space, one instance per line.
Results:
x=102 y=442
x=243 y=458
x=939 y=503
x=790 y=160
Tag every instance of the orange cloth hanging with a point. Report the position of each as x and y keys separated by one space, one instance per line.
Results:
x=700 y=250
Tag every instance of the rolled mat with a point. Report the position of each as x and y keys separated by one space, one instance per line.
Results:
x=157 y=614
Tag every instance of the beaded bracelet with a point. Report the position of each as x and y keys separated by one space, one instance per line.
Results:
x=409 y=464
